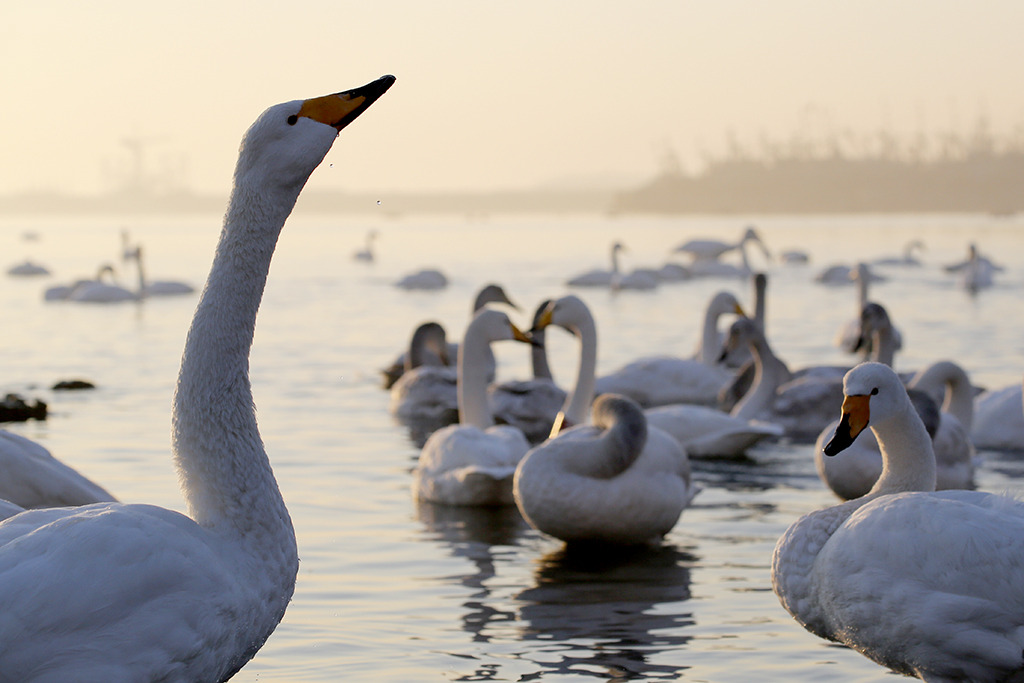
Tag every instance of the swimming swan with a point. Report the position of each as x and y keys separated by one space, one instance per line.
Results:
x=926 y=583
x=615 y=481
x=471 y=463
x=132 y=592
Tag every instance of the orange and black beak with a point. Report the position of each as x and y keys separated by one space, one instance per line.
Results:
x=340 y=109
x=856 y=413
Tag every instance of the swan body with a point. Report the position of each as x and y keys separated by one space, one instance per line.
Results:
x=906 y=259
x=712 y=250
x=615 y=278
x=28 y=268
x=426 y=279
x=472 y=463
x=615 y=481
x=845 y=275
x=926 y=583
x=96 y=291
x=31 y=477
x=999 y=420
x=148 y=288
x=133 y=592
x=705 y=432
x=664 y=380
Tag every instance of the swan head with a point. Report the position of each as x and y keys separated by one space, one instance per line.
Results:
x=872 y=391
x=492 y=294
x=567 y=312
x=742 y=332
x=289 y=140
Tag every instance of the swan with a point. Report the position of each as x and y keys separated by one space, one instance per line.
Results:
x=148 y=288
x=28 y=268
x=426 y=279
x=615 y=481
x=906 y=259
x=132 y=592
x=32 y=478
x=488 y=294
x=427 y=389
x=531 y=405
x=844 y=275
x=366 y=253
x=663 y=380
x=709 y=348
x=615 y=278
x=977 y=272
x=706 y=432
x=926 y=583
x=471 y=463
x=999 y=419
x=712 y=250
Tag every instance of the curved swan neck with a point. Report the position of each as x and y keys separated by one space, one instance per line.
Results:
x=624 y=434
x=577 y=404
x=224 y=470
x=908 y=460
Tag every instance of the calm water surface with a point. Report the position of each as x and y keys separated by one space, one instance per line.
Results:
x=389 y=590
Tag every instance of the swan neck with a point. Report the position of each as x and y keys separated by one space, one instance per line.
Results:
x=883 y=344
x=224 y=470
x=908 y=459
x=577 y=404
x=539 y=357
x=710 y=341
x=474 y=356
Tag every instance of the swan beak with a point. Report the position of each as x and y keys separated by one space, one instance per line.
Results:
x=521 y=336
x=738 y=310
x=544 y=321
x=856 y=413
x=560 y=424
x=340 y=109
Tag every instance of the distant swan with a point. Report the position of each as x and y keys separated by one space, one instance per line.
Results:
x=427 y=388
x=471 y=463
x=148 y=288
x=907 y=259
x=28 y=268
x=366 y=254
x=615 y=278
x=616 y=481
x=132 y=592
x=926 y=583
x=427 y=279
x=850 y=336
x=711 y=250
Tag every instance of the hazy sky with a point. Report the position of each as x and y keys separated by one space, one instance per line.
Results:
x=489 y=94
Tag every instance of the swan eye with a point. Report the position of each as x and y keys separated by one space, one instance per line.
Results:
x=292 y=120
x=874 y=392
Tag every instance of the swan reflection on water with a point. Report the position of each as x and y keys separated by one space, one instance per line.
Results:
x=605 y=610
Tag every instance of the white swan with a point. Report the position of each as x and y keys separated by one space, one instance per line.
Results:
x=906 y=259
x=926 y=583
x=977 y=272
x=471 y=463
x=366 y=254
x=94 y=291
x=850 y=337
x=615 y=278
x=32 y=478
x=28 y=268
x=706 y=432
x=844 y=275
x=712 y=250
x=148 y=288
x=616 y=481
x=531 y=405
x=426 y=279
x=999 y=419
x=113 y=592
x=709 y=347
x=488 y=294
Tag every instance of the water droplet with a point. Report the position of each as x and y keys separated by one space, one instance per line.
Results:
x=378 y=202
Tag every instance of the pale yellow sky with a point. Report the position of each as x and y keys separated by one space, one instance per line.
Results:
x=489 y=94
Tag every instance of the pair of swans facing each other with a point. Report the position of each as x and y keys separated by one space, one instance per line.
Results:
x=926 y=583
x=131 y=592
